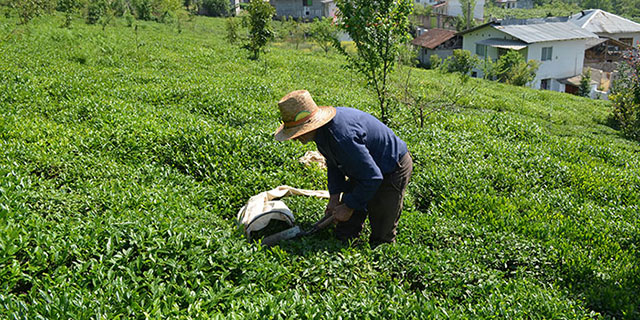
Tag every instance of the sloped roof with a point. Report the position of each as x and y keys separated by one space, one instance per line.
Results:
x=503 y=43
x=433 y=37
x=599 y=21
x=550 y=31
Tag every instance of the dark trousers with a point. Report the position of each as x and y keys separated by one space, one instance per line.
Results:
x=383 y=210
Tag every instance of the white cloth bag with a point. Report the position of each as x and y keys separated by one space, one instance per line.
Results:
x=261 y=208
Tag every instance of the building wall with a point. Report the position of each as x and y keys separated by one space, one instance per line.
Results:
x=566 y=61
x=294 y=8
x=425 y=55
x=454 y=9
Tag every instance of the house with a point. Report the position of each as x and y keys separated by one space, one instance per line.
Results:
x=304 y=9
x=558 y=46
x=608 y=25
x=514 y=4
x=440 y=42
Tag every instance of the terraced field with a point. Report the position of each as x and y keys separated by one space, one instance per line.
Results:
x=126 y=153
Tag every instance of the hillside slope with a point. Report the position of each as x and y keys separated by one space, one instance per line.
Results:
x=126 y=153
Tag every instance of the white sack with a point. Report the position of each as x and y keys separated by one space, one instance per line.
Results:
x=261 y=208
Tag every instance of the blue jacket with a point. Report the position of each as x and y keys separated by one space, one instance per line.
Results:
x=360 y=147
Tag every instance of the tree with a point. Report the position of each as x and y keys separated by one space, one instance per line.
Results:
x=462 y=61
x=378 y=28
x=260 y=28
x=29 y=9
x=324 y=33
x=512 y=68
x=296 y=31
x=217 y=8
x=585 y=84
x=466 y=21
x=626 y=95
x=232 y=27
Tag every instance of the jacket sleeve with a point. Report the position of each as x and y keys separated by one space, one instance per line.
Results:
x=335 y=180
x=361 y=169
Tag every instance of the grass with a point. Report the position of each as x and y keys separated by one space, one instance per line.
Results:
x=125 y=155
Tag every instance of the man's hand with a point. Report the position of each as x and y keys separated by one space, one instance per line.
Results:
x=334 y=201
x=342 y=213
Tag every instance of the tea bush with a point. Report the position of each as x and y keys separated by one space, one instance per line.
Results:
x=125 y=156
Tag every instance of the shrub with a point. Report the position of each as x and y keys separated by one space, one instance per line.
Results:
x=29 y=9
x=324 y=33
x=217 y=8
x=232 y=27
x=295 y=31
x=96 y=10
x=435 y=61
x=462 y=61
x=585 y=84
x=511 y=68
x=626 y=95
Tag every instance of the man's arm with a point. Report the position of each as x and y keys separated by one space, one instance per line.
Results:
x=362 y=170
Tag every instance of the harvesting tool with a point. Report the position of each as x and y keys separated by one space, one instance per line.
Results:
x=296 y=232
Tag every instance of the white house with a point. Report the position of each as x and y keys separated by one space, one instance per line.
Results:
x=514 y=4
x=558 y=46
x=608 y=25
x=304 y=9
x=454 y=9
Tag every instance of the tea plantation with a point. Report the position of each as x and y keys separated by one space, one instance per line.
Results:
x=125 y=155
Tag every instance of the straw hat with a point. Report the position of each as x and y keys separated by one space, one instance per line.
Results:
x=300 y=114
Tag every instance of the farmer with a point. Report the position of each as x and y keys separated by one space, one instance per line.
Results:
x=368 y=166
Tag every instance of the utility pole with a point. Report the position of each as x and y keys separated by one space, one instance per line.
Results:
x=468 y=15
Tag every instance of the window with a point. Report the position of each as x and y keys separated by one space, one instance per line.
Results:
x=628 y=41
x=547 y=53
x=306 y=3
x=481 y=50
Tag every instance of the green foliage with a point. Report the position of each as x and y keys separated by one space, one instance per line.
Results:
x=462 y=62
x=260 y=29
x=97 y=10
x=378 y=29
x=626 y=95
x=511 y=68
x=435 y=61
x=156 y=10
x=26 y=10
x=217 y=8
x=554 y=9
x=232 y=26
x=466 y=20
x=585 y=84
x=489 y=68
x=295 y=31
x=125 y=158
x=324 y=33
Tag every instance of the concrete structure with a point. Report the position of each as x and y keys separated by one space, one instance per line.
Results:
x=608 y=25
x=304 y=9
x=558 y=46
